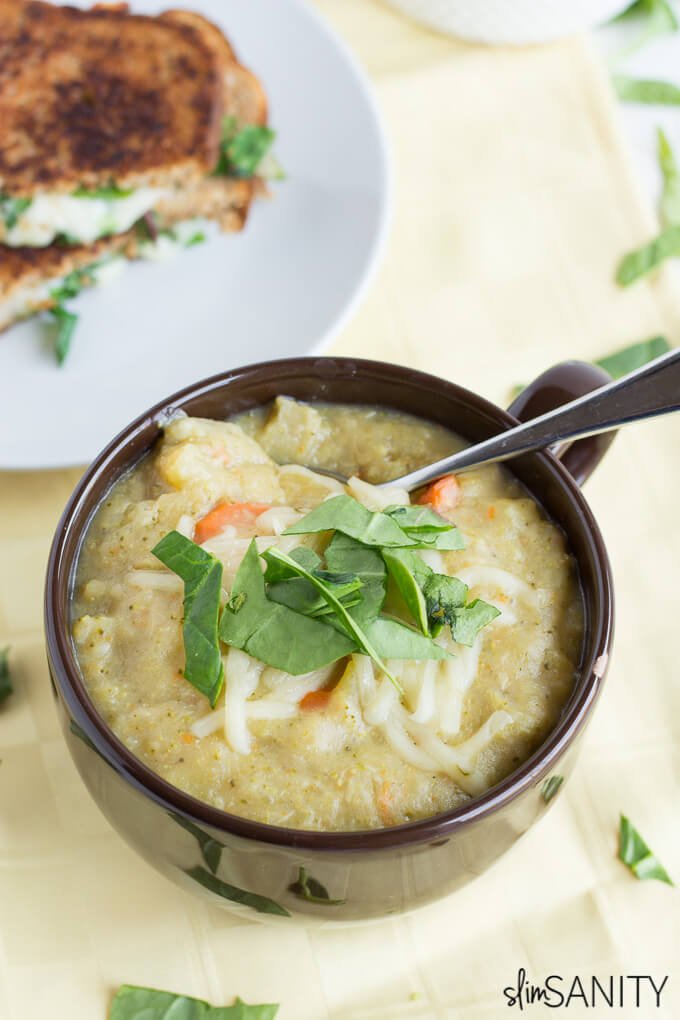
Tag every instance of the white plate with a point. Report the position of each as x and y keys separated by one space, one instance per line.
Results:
x=283 y=287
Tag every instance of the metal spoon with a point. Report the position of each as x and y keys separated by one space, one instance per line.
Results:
x=647 y=392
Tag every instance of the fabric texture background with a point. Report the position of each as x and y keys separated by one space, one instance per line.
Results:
x=513 y=202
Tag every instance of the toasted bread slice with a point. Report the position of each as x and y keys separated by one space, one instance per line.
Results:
x=91 y=97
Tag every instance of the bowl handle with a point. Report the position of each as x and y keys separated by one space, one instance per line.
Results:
x=557 y=386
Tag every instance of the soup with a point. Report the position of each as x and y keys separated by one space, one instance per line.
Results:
x=387 y=666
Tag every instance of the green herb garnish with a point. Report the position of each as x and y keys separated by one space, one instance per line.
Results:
x=202 y=576
x=437 y=599
x=66 y=324
x=626 y=360
x=272 y=632
x=132 y=1002
x=657 y=18
x=311 y=890
x=646 y=90
x=670 y=198
x=550 y=787
x=262 y=904
x=242 y=148
x=382 y=529
x=197 y=238
x=108 y=192
x=635 y=853
x=211 y=850
x=641 y=261
x=5 y=680
x=11 y=209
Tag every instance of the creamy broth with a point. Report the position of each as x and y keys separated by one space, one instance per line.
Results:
x=368 y=757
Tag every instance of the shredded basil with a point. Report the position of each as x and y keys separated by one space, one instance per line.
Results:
x=550 y=787
x=11 y=209
x=382 y=529
x=645 y=90
x=66 y=323
x=242 y=148
x=272 y=632
x=108 y=192
x=656 y=17
x=635 y=853
x=641 y=261
x=132 y=1002
x=5 y=680
x=262 y=904
x=626 y=360
x=311 y=890
x=670 y=197
x=202 y=576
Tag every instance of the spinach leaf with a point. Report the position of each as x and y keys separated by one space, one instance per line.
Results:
x=5 y=681
x=66 y=325
x=132 y=1002
x=272 y=632
x=446 y=541
x=302 y=597
x=11 y=209
x=347 y=621
x=342 y=513
x=309 y=889
x=629 y=358
x=634 y=852
x=394 y=640
x=444 y=596
x=262 y=904
x=670 y=197
x=640 y=90
x=346 y=554
x=403 y=566
x=242 y=149
x=108 y=192
x=643 y=260
x=418 y=518
x=550 y=787
x=202 y=576
x=211 y=850
x=467 y=621
x=306 y=557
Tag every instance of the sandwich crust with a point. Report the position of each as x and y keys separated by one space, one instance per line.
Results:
x=94 y=97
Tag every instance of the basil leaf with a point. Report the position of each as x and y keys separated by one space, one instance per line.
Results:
x=670 y=198
x=394 y=640
x=640 y=90
x=133 y=1002
x=349 y=624
x=634 y=852
x=309 y=889
x=446 y=541
x=418 y=518
x=242 y=149
x=111 y=191
x=5 y=681
x=262 y=904
x=197 y=238
x=211 y=850
x=11 y=209
x=444 y=595
x=402 y=568
x=66 y=324
x=342 y=513
x=629 y=358
x=306 y=557
x=272 y=632
x=346 y=554
x=550 y=787
x=202 y=576
x=467 y=621
x=643 y=260
x=656 y=17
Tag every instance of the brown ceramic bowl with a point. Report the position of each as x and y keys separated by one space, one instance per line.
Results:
x=252 y=867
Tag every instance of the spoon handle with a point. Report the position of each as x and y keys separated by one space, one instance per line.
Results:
x=651 y=390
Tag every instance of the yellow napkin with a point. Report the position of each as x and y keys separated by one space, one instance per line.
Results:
x=514 y=202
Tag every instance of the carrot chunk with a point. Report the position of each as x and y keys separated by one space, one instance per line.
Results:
x=443 y=495
x=315 y=701
x=187 y=738
x=223 y=514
